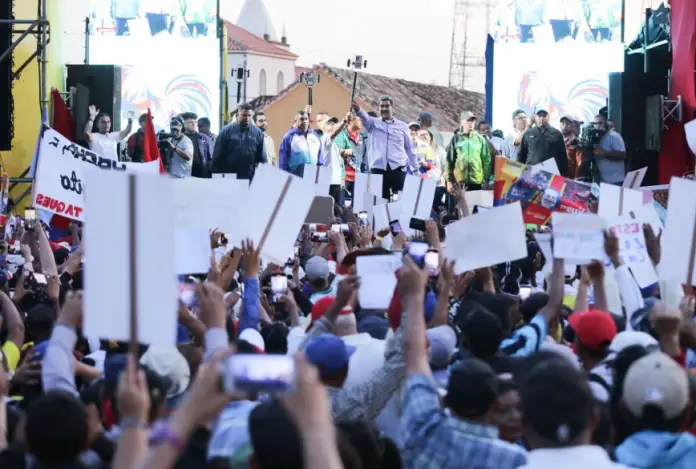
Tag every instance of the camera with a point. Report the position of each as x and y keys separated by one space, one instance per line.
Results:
x=591 y=136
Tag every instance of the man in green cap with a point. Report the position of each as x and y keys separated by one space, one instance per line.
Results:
x=468 y=157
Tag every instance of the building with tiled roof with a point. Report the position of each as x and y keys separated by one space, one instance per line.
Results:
x=252 y=44
x=332 y=94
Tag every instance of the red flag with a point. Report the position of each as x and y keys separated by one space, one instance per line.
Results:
x=150 y=149
x=62 y=117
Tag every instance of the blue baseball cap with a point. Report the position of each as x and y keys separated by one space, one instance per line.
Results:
x=329 y=353
x=40 y=349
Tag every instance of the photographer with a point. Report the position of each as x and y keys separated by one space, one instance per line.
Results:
x=177 y=149
x=604 y=153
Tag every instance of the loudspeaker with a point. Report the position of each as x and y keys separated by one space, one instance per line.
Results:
x=616 y=99
x=6 y=99
x=104 y=85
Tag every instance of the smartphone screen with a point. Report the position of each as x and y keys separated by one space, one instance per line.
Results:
x=395 y=227
x=417 y=250
x=319 y=237
x=298 y=251
x=40 y=279
x=279 y=286
x=30 y=217
x=187 y=295
x=525 y=292
x=362 y=216
x=247 y=372
x=417 y=224
x=432 y=261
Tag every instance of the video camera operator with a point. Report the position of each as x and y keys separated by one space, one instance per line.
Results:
x=603 y=153
x=176 y=149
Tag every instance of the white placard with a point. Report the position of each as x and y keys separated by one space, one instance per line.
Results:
x=377 y=280
x=320 y=176
x=208 y=203
x=384 y=214
x=632 y=249
x=416 y=200
x=192 y=251
x=680 y=231
x=60 y=173
x=366 y=184
x=109 y=249
x=273 y=212
x=550 y=166
x=615 y=201
x=544 y=242
x=578 y=236
x=487 y=238
x=480 y=198
x=690 y=131
x=634 y=179
x=224 y=176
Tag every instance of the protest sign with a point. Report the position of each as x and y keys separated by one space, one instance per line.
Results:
x=377 y=279
x=365 y=184
x=578 y=237
x=385 y=214
x=321 y=211
x=480 y=198
x=678 y=260
x=273 y=213
x=615 y=201
x=129 y=240
x=224 y=176
x=487 y=238
x=632 y=250
x=320 y=176
x=59 y=187
x=192 y=247
x=550 y=166
x=416 y=200
x=634 y=179
x=539 y=192
x=544 y=242
x=208 y=203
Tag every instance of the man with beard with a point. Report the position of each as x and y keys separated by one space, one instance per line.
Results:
x=239 y=148
x=261 y=122
x=202 y=146
x=300 y=146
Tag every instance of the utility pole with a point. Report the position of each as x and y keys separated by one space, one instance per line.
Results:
x=246 y=75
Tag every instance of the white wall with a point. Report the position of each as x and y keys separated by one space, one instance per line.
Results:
x=256 y=63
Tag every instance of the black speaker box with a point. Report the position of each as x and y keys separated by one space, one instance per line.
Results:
x=6 y=99
x=104 y=85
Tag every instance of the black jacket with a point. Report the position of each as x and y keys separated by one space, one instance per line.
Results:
x=538 y=146
x=239 y=151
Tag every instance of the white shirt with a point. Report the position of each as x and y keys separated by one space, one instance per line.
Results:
x=575 y=457
x=510 y=150
x=332 y=159
x=105 y=145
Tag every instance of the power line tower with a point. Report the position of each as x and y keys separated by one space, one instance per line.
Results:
x=471 y=23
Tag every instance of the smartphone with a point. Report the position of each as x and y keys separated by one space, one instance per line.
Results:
x=525 y=292
x=298 y=251
x=30 y=218
x=40 y=278
x=417 y=251
x=223 y=240
x=362 y=216
x=432 y=262
x=319 y=237
x=395 y=227
x=279 y=286
x=342 y=228
x=417 y=224
x=249 y=372
x=187 y=294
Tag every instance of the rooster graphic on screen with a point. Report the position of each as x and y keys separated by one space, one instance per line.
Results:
x=583 y=101
x=182 y=93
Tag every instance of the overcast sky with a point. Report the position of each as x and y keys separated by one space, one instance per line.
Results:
x=399 y=38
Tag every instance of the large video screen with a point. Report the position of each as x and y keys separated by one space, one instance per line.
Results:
x=168 y=52
x=566 y=80
x=554 y=21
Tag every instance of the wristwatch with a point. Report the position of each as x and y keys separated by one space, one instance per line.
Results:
x=163 y=434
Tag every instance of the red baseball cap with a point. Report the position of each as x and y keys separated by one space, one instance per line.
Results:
x=594 y=329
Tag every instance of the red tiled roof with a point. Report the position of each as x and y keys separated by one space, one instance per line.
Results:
x=241 y=39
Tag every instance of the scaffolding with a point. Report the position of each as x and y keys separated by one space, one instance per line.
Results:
x=471 y=24
x=40 y=29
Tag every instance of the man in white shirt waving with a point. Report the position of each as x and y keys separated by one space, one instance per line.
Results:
x=103 y=142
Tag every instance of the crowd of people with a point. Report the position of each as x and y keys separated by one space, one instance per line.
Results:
x=521 y=364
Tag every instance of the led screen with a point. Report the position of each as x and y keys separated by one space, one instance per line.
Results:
x=553 y=21
x=168 y=51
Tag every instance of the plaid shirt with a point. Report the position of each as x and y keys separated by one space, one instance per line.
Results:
x=366 y=400
x=434 y=440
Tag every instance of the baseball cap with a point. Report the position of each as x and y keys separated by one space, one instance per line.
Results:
x=557 y=402
x=472 y=388
x=317 y=267
x=568 y=118
x=170 y=364
x=466 y=115
x=413 y=124
x=443 y=342
x=594 y=329
x=254 y=338
x=657 y=380
x=176 y=122
x=625 y=339
x=274 y=436
x=425 y=116
x=376 y=326
x=541 y=111
x=329 y=353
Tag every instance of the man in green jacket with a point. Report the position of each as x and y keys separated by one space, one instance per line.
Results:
x=468 y=157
